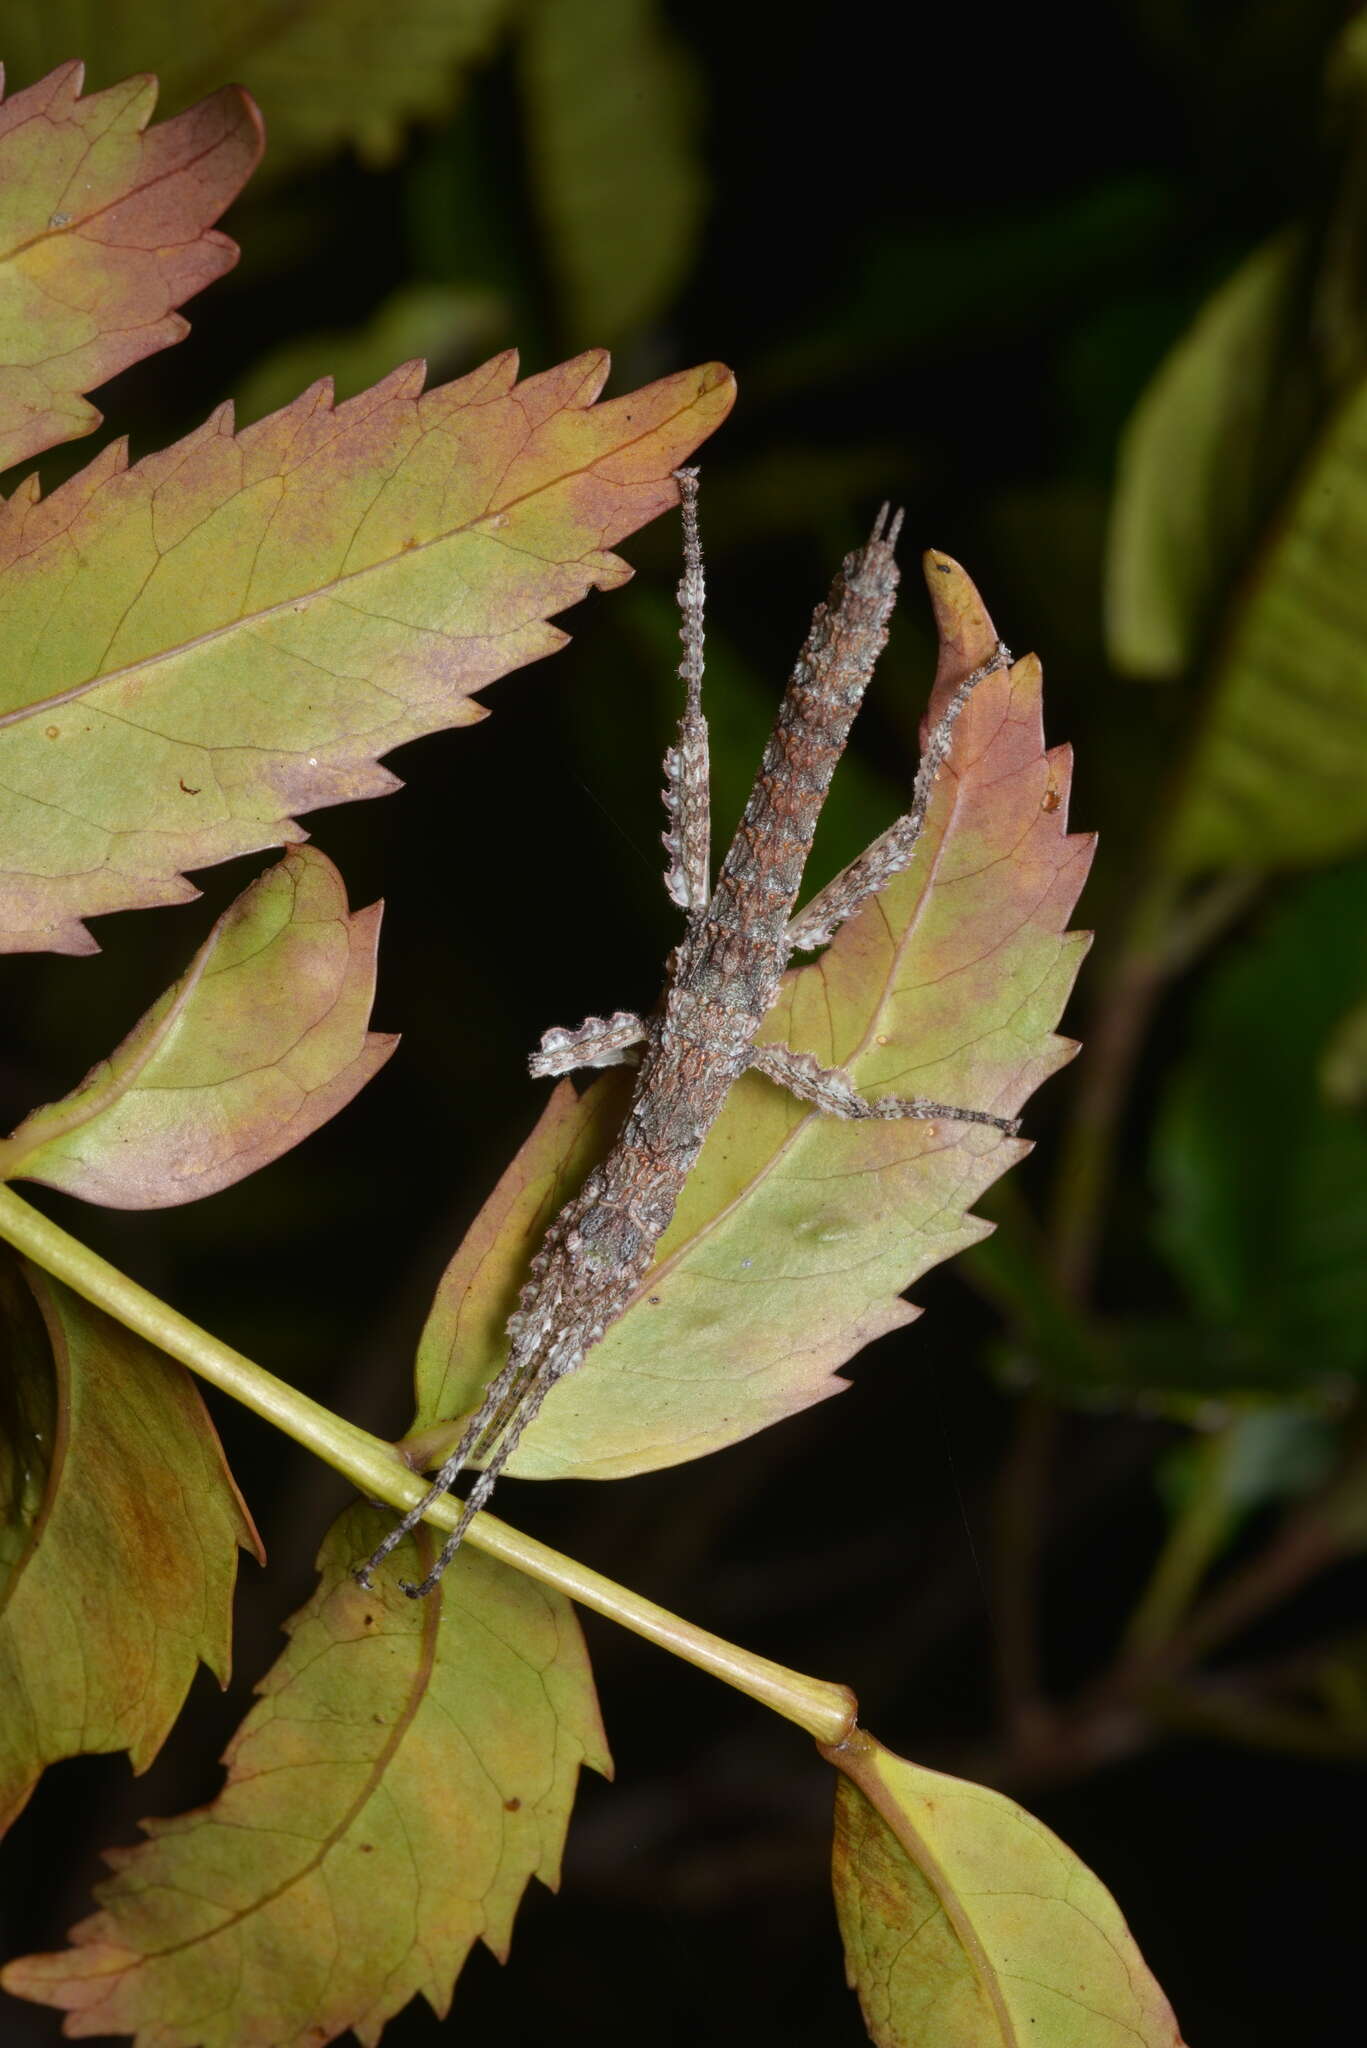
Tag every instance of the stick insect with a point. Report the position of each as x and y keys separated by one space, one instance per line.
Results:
x=721 y=980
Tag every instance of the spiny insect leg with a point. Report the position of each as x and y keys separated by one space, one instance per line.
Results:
x=523 y=1413
x=688 y=774
x=834 y=1093
x=892 y=851
x=597 y=1042
x=496 y=1397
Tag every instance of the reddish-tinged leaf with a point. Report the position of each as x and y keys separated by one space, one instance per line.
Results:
x=121 y=1531
x=967 y=1924
x=261 y=615
x=261 y=1040
x=105 y=228
x=796 y=1233
x=409 y=1766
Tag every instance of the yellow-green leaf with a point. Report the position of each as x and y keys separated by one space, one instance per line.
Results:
x=261 y=1040
x=967 y=1924
x=1185 y=485
x=327 y=74
x=796 y=1233
x=409 y=1766
x=1276 y=775
x=607 y=87
x=106 y=226
x=232 y=631
x=122 y=1525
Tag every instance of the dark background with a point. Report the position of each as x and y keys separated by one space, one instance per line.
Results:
x=943 y=268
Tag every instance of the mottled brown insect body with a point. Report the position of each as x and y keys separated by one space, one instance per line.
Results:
x=723 y=979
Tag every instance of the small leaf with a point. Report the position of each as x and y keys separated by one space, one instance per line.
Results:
x=105 y=228
x=1262 y=1183
x=967 y=1924
x=796 y=1233
x=122 y=1528
x=261 y=1040
x=260 y=615
x=607 y=85
x=1185 y=492
x=409 y=1766
x=326 y=77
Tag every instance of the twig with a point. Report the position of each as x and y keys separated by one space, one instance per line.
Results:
x=825 y=1710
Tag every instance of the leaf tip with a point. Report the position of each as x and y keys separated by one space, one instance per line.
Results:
x=968 y=637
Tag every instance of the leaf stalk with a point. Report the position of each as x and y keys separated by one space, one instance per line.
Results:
x=825 y=1710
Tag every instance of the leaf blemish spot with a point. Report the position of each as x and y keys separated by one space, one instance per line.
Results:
x=187 y=789
x=512 y=1805
x=53 y=731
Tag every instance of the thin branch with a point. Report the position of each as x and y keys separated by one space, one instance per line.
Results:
x=1193 y=1541
x=826 y=1711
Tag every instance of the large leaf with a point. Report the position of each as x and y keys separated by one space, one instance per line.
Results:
x=327 y=73
x=233 y=630
x=796 y=1233
x=606 y=85
x=967 y=1924
x=1275 y=779
x=105 y=228
x=1185 y=487
x=1273 y=1248
x=409 y=1766
x=261 y=1040
x=121 y=1528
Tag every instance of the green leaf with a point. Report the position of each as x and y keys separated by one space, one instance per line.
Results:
x=409 y=1766
x=447 y=325
x=122 y=1525
x=105 y=228
x=260 y=615
x=328 y=74
x=796 y=1233
x=967 y=1924
x=1275 y=776
x=1262 y=1182
x=606 y=86
x=261 y=1040
x=1343 y=1067
x=1186 y=485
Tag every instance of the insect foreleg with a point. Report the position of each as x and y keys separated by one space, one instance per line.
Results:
x=598 y=1042
x=688 y=774
x=893 y=849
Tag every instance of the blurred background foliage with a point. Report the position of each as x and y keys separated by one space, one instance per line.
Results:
x=1088 y=293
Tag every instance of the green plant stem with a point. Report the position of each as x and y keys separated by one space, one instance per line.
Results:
x=1197 y=1531
x=826 y=1711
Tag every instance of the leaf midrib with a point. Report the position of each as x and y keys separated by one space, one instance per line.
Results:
x=431 y=1620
